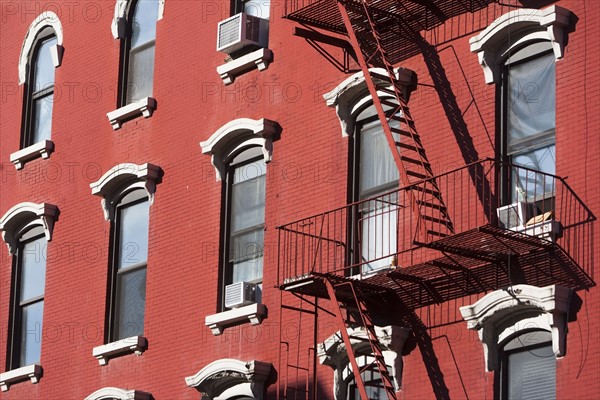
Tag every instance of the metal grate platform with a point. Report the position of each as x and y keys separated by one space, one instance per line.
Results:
x=475 y=261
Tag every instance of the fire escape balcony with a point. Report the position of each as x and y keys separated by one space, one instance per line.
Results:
x=510 y=224
x=398 y=21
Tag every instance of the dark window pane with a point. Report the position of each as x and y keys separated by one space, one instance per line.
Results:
x=44 y=67
x=532 y=374
x=377 y=166
x=33 y=269
x=531 y=185
x=141 y=73
x=532 y=100
x=31 y=333
x=144 y=22
x=131 y=301
x=258 y=8
x=133 y=234
x=248 y=197
x=42 y=125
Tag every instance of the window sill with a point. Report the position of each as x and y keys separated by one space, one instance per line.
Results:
x=254 y=313
x=145 y=107
x=260 y=58
x=40 y=149
x=134 y=344
x=33 y=372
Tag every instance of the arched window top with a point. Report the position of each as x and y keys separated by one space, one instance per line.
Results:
x=47 y=19
x=237 y=135
x=110 y=393
x=351 y=97
x=122 y=178
x=502 y=314
x=24 y=216
x=229 y=378
x=332 y=352
x=517 y=29
x=122 y=15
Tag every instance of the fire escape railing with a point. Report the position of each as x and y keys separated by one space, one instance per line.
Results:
x=381 y=232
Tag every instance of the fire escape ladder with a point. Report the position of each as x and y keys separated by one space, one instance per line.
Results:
x=398 y=125
x=344 y=297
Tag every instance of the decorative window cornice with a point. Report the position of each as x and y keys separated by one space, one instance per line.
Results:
x=119 y=22
x=236 y=135
x=110 y=393
x=332 y=352
x=228 y=377
x=47 y=18
x=516 y=29
x=352 y=94
x=27 y=214
x=122 y=177
x=501 y=314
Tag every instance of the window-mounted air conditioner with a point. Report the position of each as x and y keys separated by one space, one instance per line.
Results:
x=512 y=216
x=239 y=294
x=242 y=30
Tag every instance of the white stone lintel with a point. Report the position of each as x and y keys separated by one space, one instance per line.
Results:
x=145 y=107
x=40 y=149
x=260 y=59
x=32 y=372
x=134 y=344
x=253 y=313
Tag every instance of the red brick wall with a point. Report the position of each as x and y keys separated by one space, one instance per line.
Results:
x=307 y=176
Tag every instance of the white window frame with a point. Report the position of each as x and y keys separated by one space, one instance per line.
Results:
x=47 y=19
x=228 y=378
x=111 y=186
x=110 y=393
x=528 y=307
x=332 y=352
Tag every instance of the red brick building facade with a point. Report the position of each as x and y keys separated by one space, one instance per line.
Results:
x=156 y=199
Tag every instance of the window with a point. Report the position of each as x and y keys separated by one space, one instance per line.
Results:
x=137 y=52
x=128 y=269
x=371 y=379
x=112 y=393
x=528 y=140
x=523 y=330
x=29 y=280
x=127 y=192
x=229 y=378
x=332 y=352
x=26 y=228
x=373 y=173
x=244 y=219
x=528 y=367
x=39 y=89
x=518 y=53
x=41 y=53
x=258 y=8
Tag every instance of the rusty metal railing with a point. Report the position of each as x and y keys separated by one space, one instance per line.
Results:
x=382 y=231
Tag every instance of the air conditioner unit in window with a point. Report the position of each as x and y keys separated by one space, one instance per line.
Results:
x=242 y=30
x=239 y=294
x=512 y=216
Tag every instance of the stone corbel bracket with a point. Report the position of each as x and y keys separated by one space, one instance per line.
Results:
x=25 y=215
x=526 y=25
x=125 y=176
x=45 y=19
x=501 y=314
x=235 y=135
x=350 y=96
